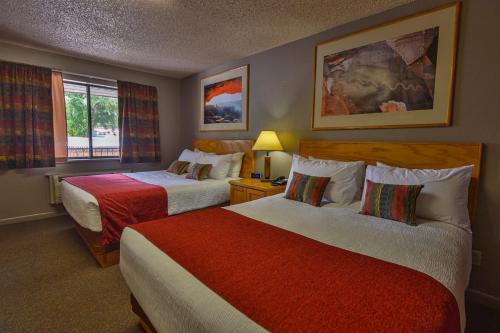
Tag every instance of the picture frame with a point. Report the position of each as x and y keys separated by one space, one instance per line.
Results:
x=224 y=100
x=393 y=75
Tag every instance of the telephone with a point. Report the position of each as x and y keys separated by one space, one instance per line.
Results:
x=281 y=180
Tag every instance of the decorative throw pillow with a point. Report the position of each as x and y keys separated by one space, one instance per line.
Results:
x=200 y=171
x=389 y=201
x=308 y=189
x=178 y=167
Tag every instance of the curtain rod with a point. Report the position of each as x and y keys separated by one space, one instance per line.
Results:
x=65 y=72
x=84 y=75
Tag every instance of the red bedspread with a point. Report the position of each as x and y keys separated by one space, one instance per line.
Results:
x=289 y=283
x=122 y=201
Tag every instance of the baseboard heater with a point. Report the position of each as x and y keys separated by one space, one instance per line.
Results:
x=55 y=182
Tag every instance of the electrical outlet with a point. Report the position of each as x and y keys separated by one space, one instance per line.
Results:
x=476 y=257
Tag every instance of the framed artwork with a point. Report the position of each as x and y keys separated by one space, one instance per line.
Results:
x=398 y=74
x=224 y=101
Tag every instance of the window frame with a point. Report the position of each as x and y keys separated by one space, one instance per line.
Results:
x=89 y=122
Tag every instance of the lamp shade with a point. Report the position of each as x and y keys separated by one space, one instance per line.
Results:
x=267 y=141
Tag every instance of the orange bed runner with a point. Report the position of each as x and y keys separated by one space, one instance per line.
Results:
x=122 y=201
x=286 y=282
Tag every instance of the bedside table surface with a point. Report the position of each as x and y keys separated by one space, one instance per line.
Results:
x=256 y=184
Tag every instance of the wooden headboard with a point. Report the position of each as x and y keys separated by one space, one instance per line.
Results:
x=228 y=147
x=418 y=155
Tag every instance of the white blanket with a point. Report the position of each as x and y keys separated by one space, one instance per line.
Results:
x=183 y=195
x=174 y=300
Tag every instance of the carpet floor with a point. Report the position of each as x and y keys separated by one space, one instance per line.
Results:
x=49 y=282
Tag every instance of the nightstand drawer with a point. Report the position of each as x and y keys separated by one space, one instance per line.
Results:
x=244 y=190
x=254 y=194
x=238 y=195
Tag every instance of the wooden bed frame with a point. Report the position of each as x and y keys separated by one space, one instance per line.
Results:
x=109 y=256
x=144 y=321
x=404 y=154
x=105 y=256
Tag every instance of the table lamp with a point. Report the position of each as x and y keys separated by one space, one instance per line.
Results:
x=267 y=141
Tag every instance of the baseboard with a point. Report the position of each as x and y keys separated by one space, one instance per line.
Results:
x=482 y=298
x=31 y=217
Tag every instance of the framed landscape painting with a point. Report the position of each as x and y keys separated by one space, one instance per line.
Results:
x=398 y=74
x=224 y=101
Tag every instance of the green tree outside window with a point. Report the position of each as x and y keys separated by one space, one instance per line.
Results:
x=104 y=113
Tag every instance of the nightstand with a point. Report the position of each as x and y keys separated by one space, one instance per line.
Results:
x=249 y=189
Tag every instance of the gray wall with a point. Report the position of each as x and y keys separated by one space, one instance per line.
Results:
x=281 y=95
x=25 y=192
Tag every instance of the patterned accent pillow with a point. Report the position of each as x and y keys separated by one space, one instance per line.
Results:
x=178 y=167
x=393 y=202
x=200 y=171
x=308 y=189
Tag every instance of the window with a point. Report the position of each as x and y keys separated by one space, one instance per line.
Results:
x=92 y=120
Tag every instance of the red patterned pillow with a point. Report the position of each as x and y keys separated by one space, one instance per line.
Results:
x=178 y=167
x=308 y=189
x=393 y=202
x=200 y=171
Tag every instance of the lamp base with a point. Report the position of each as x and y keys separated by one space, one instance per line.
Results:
x=267 y=167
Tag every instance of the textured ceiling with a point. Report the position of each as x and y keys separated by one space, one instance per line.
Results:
x=173 y=37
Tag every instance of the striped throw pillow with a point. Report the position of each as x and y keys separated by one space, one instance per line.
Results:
x=200 y=171
x=308 y=189
x=393 y=202
x=178 y=167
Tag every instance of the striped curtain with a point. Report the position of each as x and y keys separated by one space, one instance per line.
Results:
x=26 y=130
x=139 y=124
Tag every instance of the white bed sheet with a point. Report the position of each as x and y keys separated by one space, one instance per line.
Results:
x=174 y=300
x=183 y=195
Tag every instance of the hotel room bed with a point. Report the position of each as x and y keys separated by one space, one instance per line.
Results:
x=174 y=300
x=168 y=296
x=183 y=195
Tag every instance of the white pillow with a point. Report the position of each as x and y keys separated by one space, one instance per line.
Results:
x=220 y=164
x=345 y=181
x=236 y=162
x=444 y=196
x=360 y=177
x=190 y=156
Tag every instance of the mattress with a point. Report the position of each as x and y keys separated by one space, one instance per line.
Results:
x=183 y=195
x=174 y=300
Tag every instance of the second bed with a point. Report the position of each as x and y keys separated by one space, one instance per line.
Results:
x=182 y=195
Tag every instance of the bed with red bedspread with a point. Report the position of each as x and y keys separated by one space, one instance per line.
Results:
x=123 y=201
x=279 y=265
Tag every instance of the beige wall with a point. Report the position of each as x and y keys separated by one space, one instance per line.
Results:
x=25 y=192
x=281 y=95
